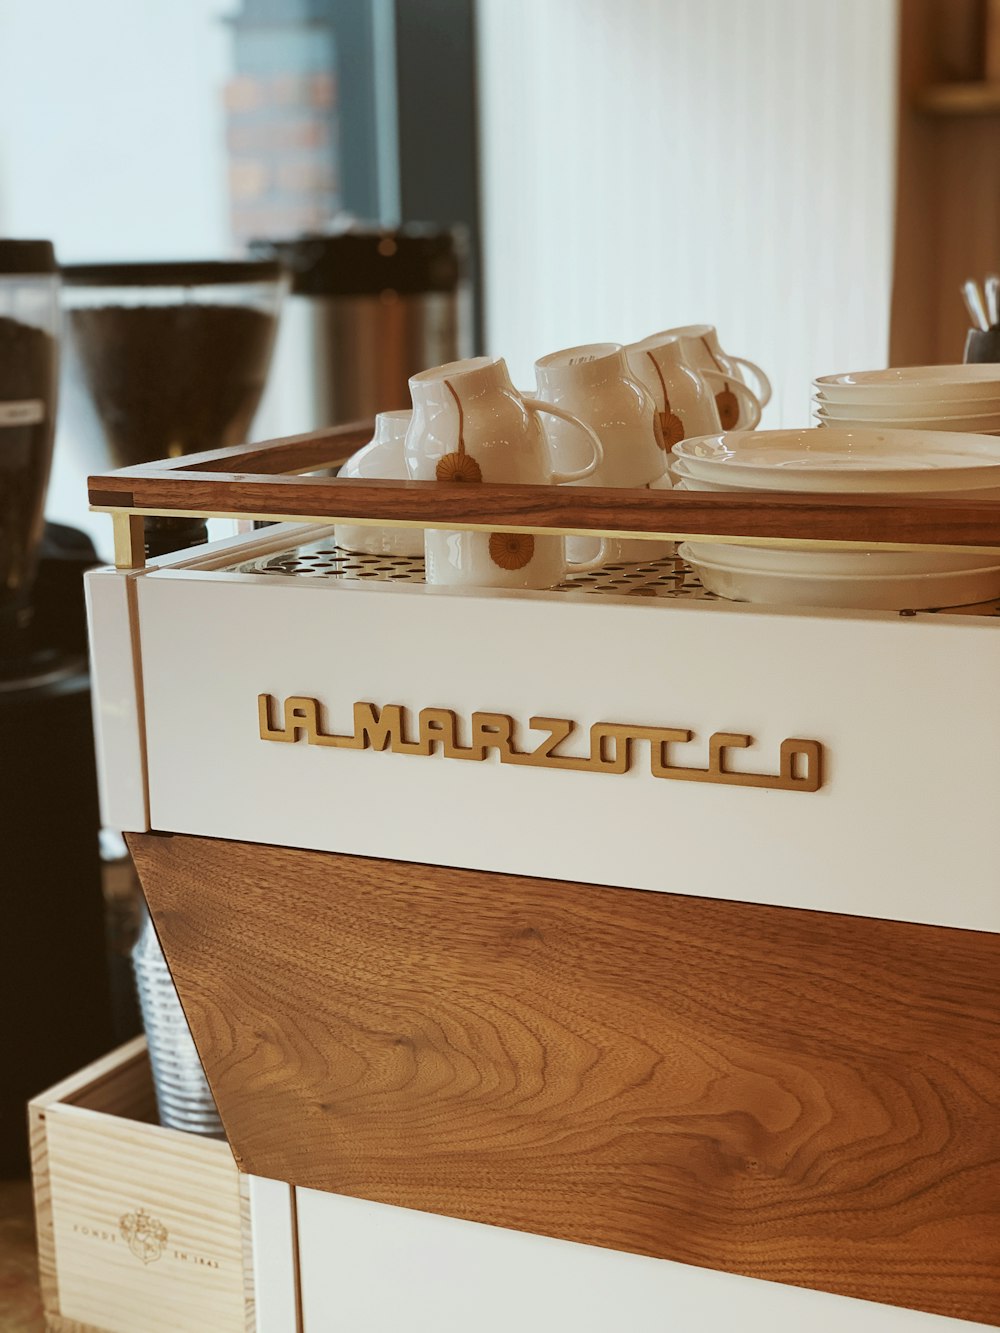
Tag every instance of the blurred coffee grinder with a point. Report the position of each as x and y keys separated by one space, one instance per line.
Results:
x=368 y=308
x=174 y=357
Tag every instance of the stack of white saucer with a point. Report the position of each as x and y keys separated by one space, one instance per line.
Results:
x=953 y=398
x=862 y=461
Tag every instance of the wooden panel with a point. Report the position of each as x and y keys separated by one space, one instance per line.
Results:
x=41 y=1183
x=118 y=1084
x=55 y=1323
x=246 y=1237
x=121 y=1084
x=961 y=99
x=103 y=1171
x=948 y=186
x=289 y=453
x=915 y=290
x=795 y=1096
x=197 y=484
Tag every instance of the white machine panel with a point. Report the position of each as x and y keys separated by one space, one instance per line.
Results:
x=117 y=700
x=371 y=1268
x=907 y=711
x=274 y=1255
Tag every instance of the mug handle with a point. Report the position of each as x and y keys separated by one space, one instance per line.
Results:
x=560 y=478
x=746 y=396
x=763 y=383
x=585 y=566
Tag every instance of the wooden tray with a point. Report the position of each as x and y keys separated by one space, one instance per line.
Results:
x=266 y=481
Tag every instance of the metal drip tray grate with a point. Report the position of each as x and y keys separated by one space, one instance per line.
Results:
x=665 y=577
x=668 y=577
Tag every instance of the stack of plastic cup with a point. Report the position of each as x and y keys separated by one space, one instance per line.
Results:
x=183 y=1096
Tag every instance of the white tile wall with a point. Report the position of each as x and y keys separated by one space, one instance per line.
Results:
x=657 y=162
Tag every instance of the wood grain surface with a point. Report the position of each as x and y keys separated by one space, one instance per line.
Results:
x=98 y=1153
x=48 y=1283
x=118 y=1084
x=796 y=1096
x=821 y=517
x=287 y=453
x=55 y=1323
x=105 y=1168
x=263 y=481
x=947 y=214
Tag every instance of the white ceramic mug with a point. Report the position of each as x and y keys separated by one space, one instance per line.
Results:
x=595 y=383
x=381 y=458
x=739 y=405
x=683 y=398
x=470 y=424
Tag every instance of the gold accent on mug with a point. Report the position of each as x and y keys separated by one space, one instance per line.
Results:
x=729 y=407
x=459 y=466
x=511 y=550
x=670 y=428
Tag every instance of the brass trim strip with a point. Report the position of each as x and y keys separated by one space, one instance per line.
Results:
x=130 y=540
x=300 y=1322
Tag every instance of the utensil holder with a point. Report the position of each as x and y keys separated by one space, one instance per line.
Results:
x=982 y=346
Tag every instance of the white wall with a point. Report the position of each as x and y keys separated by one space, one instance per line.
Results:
x=657 y=162
x=112 y=145
x=111 y=126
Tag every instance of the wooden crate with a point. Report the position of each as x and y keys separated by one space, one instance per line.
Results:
x=141 y=1229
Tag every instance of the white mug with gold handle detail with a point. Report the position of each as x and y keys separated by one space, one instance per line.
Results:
x=596 y=383
x=471 y=425
x=704 y=352
x=381 y=458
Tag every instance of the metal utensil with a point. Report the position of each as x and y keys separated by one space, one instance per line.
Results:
x=974 y=304
x=993 y=299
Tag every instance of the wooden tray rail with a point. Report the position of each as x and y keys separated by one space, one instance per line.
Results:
x=265 y=481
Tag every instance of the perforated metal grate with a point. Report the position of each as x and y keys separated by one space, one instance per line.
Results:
x=668 y=577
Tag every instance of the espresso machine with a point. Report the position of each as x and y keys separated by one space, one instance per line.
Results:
x=53 y=958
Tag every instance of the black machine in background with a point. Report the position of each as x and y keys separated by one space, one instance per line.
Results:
x=55 y=991
x=57 y=1009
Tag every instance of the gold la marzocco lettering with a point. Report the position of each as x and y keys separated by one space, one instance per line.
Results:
x=390 y=727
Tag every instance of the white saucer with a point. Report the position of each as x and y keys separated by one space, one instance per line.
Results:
x=855 y=563
x=958 y=415
x=844 y=591
x=685 y=479
x=856 y=418
x=927 y=384
x=834 y=459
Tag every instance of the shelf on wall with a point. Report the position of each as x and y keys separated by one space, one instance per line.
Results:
x=977 y=98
